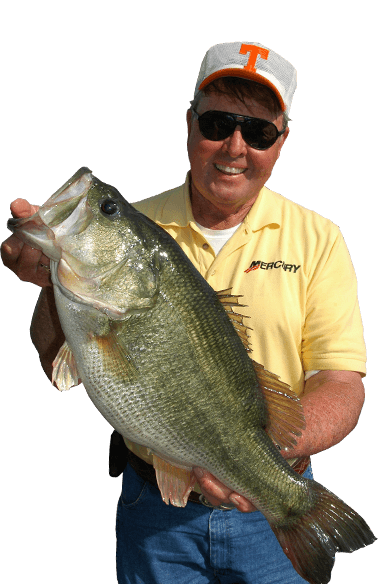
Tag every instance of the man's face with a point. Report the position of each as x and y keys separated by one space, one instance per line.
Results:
x=229 y=173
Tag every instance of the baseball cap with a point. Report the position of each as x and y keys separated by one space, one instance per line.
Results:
x=250 y=61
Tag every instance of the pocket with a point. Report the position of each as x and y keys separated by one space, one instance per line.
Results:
x=134 y=488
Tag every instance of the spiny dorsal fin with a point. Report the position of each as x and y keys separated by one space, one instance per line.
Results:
x=228 y=301
x=286 y=419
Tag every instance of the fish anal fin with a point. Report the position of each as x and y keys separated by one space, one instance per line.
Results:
x=65 y=374
x=174 y=483
x=285 y=412
x=228 y=301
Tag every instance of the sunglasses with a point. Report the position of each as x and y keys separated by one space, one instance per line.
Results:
x=257 y=133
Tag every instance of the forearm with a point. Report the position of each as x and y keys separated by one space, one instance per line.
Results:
x=45 y=330
x=332 y=403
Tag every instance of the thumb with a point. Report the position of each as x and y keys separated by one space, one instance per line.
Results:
x=22 y=208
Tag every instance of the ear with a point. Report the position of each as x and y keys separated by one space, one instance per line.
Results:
x=189 y=120
x=283 y=139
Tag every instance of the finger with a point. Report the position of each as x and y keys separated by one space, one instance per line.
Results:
x=12 y=247
x=22 y=208
x=218 y=494
x=211 y=484
x=33 y=266
x=241 y=503
x=28 y=264
x=10 y=251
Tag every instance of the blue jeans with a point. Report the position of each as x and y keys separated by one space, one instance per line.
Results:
x=162 y=544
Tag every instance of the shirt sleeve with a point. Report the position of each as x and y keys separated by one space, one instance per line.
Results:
x=333 y=333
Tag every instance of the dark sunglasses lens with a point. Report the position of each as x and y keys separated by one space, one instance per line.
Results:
x=259 y=134
x=215 y=126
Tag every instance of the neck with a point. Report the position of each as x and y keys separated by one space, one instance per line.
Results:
x=217 y=216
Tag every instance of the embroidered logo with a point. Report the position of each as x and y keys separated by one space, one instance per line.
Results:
x=255 y=265
x=253 y=54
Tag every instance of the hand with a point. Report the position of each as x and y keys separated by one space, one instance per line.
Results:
x=218 y=494
x=27 y=263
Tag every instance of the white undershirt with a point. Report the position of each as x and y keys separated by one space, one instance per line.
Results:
x=309 y=374
x=217 y=238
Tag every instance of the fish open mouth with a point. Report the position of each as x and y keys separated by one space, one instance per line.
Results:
x=41 y=229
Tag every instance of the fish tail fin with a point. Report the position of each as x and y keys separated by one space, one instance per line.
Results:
x=329 y=527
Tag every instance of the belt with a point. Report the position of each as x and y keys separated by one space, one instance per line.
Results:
x=147 y=472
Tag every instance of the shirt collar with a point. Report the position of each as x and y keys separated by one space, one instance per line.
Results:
x=266 y=211
x=177 y=211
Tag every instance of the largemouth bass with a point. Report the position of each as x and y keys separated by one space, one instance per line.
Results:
x=165 y=360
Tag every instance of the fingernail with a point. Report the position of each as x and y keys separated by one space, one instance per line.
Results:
x=198 y=472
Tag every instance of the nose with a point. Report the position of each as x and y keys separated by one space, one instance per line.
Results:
x=235 y=145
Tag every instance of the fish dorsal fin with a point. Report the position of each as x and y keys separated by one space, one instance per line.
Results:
x=174 y=483
x=229 y=301
x=285 y=413
x=65 y=374
x=286 y=419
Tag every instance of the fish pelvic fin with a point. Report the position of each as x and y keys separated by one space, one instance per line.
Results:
x=175 y=483
x=330 y=526
x=65 y=374
x=285 y=413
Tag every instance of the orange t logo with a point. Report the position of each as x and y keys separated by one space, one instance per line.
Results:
x=253 y=52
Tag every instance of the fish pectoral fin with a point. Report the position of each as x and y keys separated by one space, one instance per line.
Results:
x=65 y=374
x=175 y=483
x=115 y=357
x=285 y=412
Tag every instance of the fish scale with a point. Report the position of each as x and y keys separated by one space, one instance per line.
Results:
x=161 y=359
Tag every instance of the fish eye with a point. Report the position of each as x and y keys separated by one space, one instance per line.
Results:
x=109 y=207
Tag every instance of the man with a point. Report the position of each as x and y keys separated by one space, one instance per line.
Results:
x=295 y=275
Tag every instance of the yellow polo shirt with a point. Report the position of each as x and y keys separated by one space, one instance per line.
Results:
x=294 y=271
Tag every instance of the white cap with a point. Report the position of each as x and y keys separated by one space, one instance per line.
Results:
x=250 y=61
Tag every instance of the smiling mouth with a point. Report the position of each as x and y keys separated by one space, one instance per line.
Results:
x=230 y=170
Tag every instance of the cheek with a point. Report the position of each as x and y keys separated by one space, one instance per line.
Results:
x=200 y=150
x=201 y=153
x=262 y=162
